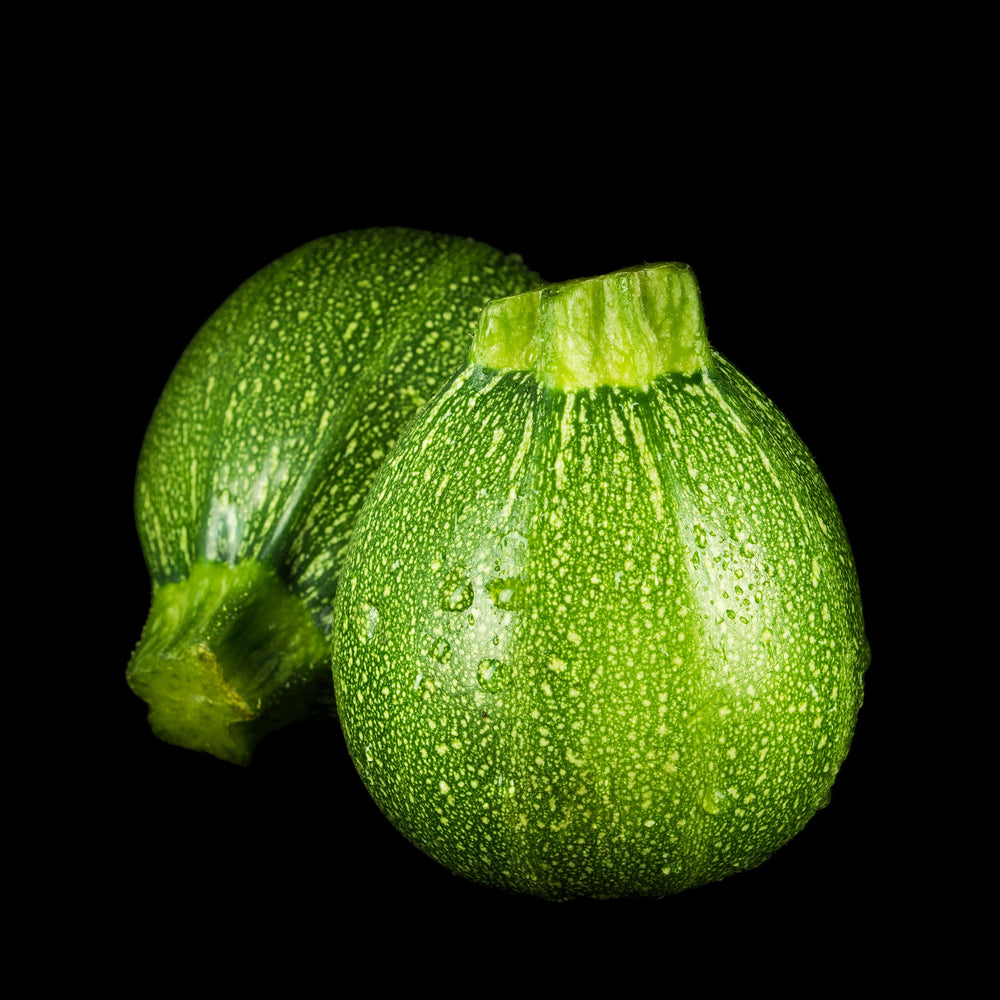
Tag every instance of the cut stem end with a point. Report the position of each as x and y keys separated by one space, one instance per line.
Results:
x=623 y=329
x=227 y=655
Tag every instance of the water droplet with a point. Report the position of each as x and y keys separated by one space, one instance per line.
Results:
x=515 y=540
x=713 y=800
x=700 y=536
x=506 y=592
x=491 y=674
x=457 y=593
x=441 y=652
x=370 y=627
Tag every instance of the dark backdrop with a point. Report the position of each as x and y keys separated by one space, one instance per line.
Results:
x=793 y=255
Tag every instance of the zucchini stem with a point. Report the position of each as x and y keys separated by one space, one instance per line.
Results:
x=227 y=655
x=623 y=329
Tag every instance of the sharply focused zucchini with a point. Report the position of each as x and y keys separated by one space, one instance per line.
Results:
x=259 y=454
x=599 y=629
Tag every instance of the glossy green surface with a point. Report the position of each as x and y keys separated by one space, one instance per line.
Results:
x=600 y=642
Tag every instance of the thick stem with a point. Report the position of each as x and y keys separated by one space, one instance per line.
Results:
x=624 y=329
x=227 y=655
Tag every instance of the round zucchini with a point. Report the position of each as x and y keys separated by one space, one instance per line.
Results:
x=259 y=454
x=599 y=630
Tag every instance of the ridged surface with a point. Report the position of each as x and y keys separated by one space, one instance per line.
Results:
x=599 y=643
x=284 y=405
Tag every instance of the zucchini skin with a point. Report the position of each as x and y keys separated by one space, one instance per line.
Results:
x=259 y=454
x=605 y=642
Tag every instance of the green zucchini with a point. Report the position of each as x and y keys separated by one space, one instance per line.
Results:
x=599 y=630
x=257 y=458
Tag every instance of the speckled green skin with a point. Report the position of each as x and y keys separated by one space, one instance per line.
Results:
x=260 y=452
x=605 y=642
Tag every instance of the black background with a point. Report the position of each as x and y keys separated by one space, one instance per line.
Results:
x=794 y=246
